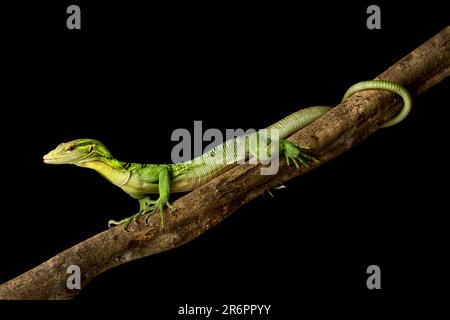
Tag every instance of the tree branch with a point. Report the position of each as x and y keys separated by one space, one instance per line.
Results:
x=337 y=131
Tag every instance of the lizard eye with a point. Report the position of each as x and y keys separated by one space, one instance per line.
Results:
x=71 y=148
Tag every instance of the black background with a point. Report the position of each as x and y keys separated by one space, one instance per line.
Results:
x=135 y=73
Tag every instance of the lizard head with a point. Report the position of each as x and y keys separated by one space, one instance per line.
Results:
x=77 y=152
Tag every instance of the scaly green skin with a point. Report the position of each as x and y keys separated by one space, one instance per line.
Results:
x=142 y=180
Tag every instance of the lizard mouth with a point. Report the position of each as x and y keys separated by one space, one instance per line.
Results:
x=48 y=160
x=51 y=160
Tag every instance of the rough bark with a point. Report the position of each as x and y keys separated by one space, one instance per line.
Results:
x=339 y=130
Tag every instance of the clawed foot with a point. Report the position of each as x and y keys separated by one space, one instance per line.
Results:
x=125 y=222
x=298 y=154
x=158 y=205
x=148 y=208
x=269 y=191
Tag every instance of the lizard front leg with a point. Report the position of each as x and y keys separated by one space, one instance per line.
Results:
x=164 y=184
x=144 y=204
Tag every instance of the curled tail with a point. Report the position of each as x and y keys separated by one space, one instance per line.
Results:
x=389 y=86
x=304 y=117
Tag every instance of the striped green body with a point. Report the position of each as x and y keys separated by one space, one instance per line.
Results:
x=194 y=173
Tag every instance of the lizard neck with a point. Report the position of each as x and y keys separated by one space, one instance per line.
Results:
x=111 y=169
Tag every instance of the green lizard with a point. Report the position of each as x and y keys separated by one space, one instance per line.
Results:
x=142 y=180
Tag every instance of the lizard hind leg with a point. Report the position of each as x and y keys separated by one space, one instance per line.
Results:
x=263 y=148
x=296 y=153
x=270 y=193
